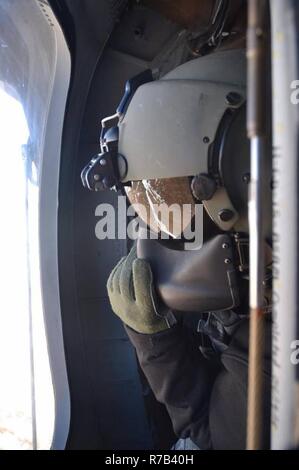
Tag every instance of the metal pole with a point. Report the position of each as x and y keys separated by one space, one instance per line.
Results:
x=256 y=132
x=256 y=338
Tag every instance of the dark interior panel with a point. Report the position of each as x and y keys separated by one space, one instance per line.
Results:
x=112 y=406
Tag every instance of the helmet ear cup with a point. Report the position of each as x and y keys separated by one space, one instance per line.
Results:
x=234 y=161
x=230 y=162
x=234 y=170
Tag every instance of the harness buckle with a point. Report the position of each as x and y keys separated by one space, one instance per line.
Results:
x=242 y=246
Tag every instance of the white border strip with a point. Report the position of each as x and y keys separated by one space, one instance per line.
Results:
x=48 y=213
x=284 y=226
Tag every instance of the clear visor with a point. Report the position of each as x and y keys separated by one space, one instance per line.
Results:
x=164 y=205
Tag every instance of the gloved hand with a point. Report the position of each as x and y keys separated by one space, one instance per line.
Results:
x=132 y=296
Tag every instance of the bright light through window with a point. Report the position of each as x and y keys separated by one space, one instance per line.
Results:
x=15 y=391
x=26 y=392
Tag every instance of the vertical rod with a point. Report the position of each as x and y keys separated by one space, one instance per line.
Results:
x=256 y=335
x=256 y=131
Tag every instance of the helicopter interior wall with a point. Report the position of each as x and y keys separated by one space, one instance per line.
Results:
x=112 y=406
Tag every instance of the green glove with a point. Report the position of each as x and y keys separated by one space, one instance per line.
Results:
x=132 y=296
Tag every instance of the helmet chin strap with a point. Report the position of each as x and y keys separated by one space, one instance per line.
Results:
x=213 y=36
x=219 y=18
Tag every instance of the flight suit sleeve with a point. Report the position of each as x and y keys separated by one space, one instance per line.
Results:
x=228 y=405
x=180 y=378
